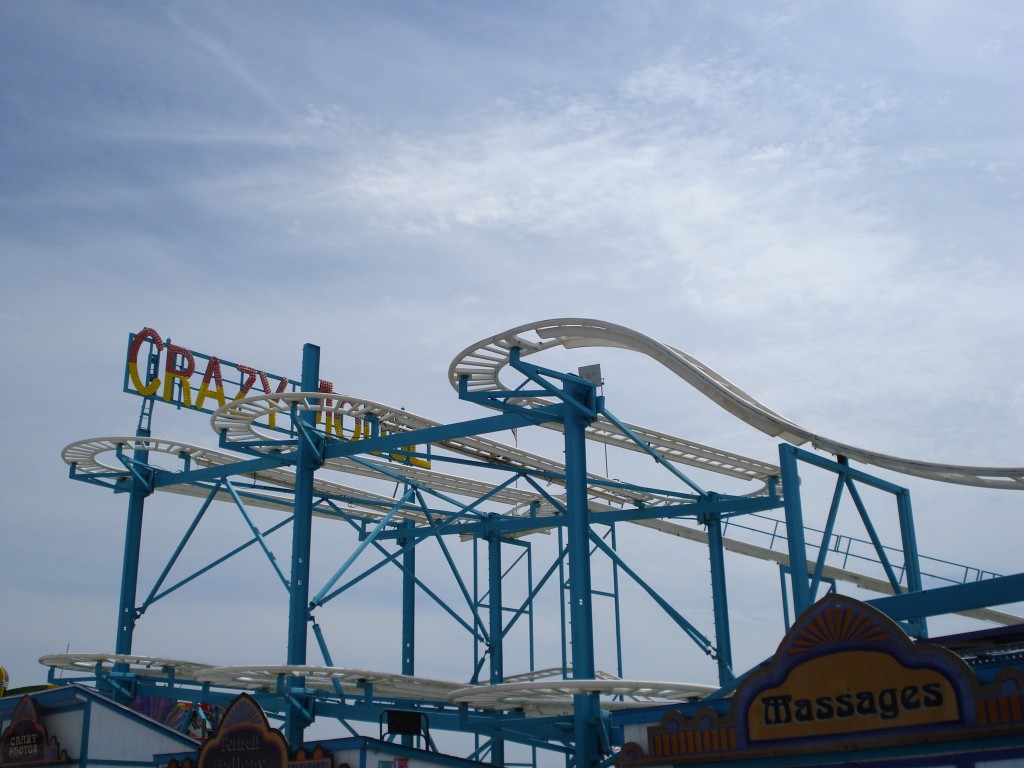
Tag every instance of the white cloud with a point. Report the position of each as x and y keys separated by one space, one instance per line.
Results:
x=811 y=199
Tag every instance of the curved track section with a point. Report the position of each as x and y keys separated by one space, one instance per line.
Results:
x=103 y=458
x=354 y=682
x=481 y=365
x=239 y=423
x=555 y=696
x=97 y=457
x=537 y=696
x=104 y=662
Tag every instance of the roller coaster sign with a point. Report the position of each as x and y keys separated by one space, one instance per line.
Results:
x=170 y=373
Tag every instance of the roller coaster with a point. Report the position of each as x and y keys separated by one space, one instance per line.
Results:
x=308 y=453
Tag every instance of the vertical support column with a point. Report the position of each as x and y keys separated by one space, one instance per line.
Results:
x=563 y=586
x=719 y=596
x=408 y=539
x=297 y=717
x=408 y=600
x=137 y=493
x=911 y=558
x=618 y=605
x=586 y=707
x=794 y=529
x=130 y=566
x=494 y=628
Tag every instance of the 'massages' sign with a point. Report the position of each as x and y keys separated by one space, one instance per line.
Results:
x=852 y=691
x=845 y=676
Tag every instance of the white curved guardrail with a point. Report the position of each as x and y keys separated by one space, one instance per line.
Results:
x=481 y=364
x=526 y=692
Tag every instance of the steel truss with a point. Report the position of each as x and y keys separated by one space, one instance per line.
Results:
x=564 y=710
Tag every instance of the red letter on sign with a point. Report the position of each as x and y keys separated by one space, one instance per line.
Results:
x=149 y=387
x=250 y=379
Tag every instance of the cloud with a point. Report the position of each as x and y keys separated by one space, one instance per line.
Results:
x=646 y=185
x=821 y=202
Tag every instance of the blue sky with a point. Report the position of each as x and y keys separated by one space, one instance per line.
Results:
x=819 y=200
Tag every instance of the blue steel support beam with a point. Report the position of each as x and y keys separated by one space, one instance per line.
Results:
x=302 y=527
x=794 y=528
x=130 y=566
x=719 y=595
x=181 y=546
x=578 y=396
x=163 y=478
x=726 y=506
x=396 y=442
x=139 y=489
x=845 y=469
x=408 y=599
x=126 y=613
x=408 y=607
x=826 y=537
x=691 y=631
x=959 y=597
x=646 y=448
x=257 y=534
x=365 y=541
x=911 y=557
x=344 y=448
x=617 y=604
x=494 y=613
x=210 y=566
x=876 y=542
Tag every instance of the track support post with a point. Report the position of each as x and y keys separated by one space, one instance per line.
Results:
x=911 y=558
x=794 y=529
x=298 y=715
x=719 y=596
x=138 y=491
x=580 y=401
x=495 y=630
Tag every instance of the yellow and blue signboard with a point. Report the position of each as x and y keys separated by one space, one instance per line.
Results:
x=845 y=685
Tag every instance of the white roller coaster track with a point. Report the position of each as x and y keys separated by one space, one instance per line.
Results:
x=481 y=364
x=238 y=423
x=528 y=692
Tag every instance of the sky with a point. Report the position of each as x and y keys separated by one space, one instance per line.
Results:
x=822 y=201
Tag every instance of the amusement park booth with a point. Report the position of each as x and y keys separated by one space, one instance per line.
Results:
x=847 y=687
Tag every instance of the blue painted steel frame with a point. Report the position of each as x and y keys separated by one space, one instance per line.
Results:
x=309 y=453
x=578 y=409
x=495 y=630
x=584 y=736
x=579 y=412
x=804 y=581
x=720 y=600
